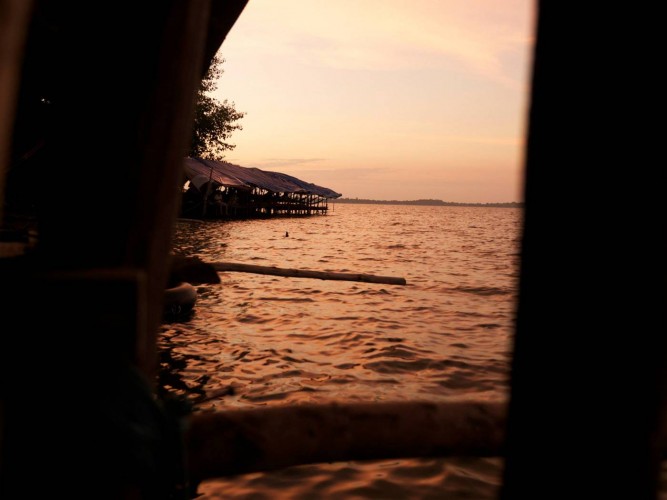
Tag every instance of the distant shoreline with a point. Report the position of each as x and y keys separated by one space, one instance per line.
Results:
x=513 y=204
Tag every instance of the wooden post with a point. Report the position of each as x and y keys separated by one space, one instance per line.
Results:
x=89 y=300
x=14 y=19
x=207 y=194
x=587 y=405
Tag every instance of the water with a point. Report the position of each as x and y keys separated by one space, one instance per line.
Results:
x=258 y=340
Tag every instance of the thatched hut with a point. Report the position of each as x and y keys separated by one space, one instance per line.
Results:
x=224 y=190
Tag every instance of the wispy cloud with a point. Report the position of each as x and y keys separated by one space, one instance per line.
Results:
x=281 y=162
x=385 y=35
x=383 y=96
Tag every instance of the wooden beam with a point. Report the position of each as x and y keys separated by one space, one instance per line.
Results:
x=304 y=273
x=224 y=13
x=587 y=404
x=261 y=439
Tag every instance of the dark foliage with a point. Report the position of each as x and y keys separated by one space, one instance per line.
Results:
x=214 y=121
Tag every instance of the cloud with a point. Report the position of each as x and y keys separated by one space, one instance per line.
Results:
x=398 y=98
x=386 y=35
x=281 y=162
x=357 y=174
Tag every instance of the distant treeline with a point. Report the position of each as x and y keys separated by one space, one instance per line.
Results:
x=512 y=204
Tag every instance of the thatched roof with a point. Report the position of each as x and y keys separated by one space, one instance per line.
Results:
x=230 y=175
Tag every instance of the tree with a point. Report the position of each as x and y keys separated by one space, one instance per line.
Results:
x=214 y=121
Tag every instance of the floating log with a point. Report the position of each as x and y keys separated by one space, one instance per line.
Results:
x=303 y=273
x=261 y=439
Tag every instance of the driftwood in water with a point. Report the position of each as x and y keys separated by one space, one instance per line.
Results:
x=260 y=439
x=303 y=273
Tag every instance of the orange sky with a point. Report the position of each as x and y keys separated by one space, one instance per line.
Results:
x=384 y=99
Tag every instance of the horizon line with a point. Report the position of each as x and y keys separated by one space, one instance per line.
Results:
x=432 y=201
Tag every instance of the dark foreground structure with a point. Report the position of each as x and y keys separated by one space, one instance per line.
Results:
x=222 y=190
x=79 y=416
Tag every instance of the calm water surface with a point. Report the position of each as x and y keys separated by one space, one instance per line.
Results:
x=258 y=340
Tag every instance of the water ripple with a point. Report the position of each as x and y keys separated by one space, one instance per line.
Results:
x=257 y=340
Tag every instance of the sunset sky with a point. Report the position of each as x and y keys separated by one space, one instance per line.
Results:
x=384 y=99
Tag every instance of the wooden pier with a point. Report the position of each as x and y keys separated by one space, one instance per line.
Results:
x=221 y=190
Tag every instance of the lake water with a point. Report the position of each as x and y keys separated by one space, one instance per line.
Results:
x=257 y=340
